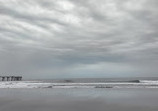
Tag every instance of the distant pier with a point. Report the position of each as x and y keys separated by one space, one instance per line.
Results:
x=10 y=78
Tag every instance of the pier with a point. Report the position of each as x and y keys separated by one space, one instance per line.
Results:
x=10 y=78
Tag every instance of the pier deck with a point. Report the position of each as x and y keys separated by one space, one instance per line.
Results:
x=10 y=78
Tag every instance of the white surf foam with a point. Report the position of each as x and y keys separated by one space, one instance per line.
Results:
x=149 y=81
x=39 y=84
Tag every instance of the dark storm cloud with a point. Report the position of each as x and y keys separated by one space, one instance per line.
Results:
x=78 y=38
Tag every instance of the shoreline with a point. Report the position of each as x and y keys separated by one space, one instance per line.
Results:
x=41 y=84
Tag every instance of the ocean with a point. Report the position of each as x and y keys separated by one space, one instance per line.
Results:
x=83 y=83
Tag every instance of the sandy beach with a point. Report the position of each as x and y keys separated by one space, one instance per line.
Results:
x=78 y=99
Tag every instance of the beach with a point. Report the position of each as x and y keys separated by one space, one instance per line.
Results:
x=80 y=99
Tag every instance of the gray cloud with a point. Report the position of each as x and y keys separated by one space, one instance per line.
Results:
x=68 y=38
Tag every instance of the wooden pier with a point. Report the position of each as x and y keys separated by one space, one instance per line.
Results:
x=10 y=78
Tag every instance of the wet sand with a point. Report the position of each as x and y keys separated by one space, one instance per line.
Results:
x=78 y=100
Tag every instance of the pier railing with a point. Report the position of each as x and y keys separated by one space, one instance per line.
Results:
x=10 y=78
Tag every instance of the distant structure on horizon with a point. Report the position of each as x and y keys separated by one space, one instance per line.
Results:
x=10 y=78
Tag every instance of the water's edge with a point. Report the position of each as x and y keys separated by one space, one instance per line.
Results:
x=82 y=84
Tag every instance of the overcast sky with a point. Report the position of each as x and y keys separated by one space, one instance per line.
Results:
x=79 y=38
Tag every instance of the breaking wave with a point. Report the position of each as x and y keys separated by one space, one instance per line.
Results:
x=68 y=84
x=148 y=81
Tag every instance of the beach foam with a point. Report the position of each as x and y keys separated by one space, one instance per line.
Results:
x=40 y=84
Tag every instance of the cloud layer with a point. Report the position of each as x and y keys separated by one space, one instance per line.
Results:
x=78 y=38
